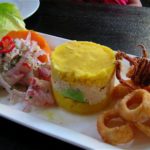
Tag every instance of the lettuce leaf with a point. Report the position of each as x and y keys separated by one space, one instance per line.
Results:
x=10 y=19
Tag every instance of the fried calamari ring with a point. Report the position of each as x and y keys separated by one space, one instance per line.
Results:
x=144 y=127
x=135 y=106
x=113 y=128
x=120 y=91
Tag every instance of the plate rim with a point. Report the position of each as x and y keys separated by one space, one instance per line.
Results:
x=39 y=124
x=35 y=9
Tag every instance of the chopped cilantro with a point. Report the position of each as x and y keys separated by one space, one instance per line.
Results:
x=15 y=61
x=30 y=97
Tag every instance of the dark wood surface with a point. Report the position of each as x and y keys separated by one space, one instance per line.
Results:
x=118 y=27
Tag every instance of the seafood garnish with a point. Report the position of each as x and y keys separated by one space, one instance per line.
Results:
x=132 y=98
x=135 y=106
x=139 y=70
x=19 y=65
x=113 y=128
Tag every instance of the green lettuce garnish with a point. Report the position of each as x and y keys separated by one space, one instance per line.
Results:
x=10 y=19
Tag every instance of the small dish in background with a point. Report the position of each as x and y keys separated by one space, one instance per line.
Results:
x=26 y=7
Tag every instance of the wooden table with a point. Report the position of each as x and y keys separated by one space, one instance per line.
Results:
x=121 y=28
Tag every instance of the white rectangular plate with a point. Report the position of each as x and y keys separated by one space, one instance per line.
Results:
x=75 y=129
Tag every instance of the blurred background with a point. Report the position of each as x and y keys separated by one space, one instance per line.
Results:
x=146 y=3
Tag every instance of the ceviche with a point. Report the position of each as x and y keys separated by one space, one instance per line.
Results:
x=24 y=63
